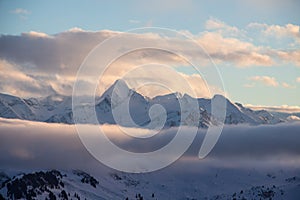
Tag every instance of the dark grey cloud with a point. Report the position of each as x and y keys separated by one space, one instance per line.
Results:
x=40 y=145
x=59 y=53
x=261 y=141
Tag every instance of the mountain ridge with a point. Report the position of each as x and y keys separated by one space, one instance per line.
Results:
x=58 y=109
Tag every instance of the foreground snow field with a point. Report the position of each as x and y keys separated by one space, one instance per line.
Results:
x=216 y=183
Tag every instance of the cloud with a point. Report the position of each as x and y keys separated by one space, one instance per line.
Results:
x=60 y=55
x=201 y=88
x=37 y=145
x=26 y=147
x=266 y=80
x=282 y=108
x=298 y=80
x=288 y=30
x=219 y=26
x=289 y=56
x=64 y=52
x=285 y=40
x=35 y=34
x=16 y=82
x=53 y=58
x=21 y=11
x=212 y=24
x=267 y=141
x=286 y=85
x=232 y=50
x=253 y=55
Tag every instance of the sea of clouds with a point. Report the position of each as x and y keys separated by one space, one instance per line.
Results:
x=37 y=145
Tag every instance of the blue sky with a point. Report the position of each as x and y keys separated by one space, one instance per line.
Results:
x=263 y=24
x=57 y=16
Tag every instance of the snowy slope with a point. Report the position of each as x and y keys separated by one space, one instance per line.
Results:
x=219 y=183
x=119 y=97
x=15 y=107
x=260 y=116
x=120 y=101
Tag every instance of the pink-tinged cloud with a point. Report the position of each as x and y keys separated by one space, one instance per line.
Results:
x=278 y=31
x=266 y=80
x=286 y=85
x=221 y=27
x=290 y=56
x=54 y=59
x=282 y=108
x=232 y=50
x=35 y=34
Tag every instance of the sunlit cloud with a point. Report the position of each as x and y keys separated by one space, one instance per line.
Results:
x=221 y=27
x=289 y=56
x=36 y=34
x=286 y=85
x=282 y=108
x=232 y=50
x=55 y=59
x=16 y=82
x=266 y=80
x=288 y=30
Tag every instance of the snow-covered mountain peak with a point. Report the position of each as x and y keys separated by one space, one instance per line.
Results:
x=119 y=87
x=117 y=93
x=58 y=108
x=219 y=96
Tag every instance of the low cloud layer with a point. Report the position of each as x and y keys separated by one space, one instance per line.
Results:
x=40 y=145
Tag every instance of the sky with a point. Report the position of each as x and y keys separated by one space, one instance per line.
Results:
x=255 y=44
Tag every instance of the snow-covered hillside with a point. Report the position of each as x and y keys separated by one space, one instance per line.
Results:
x=217 y=184
x=58 y=109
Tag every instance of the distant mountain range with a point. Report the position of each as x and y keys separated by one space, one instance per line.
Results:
x=58 y=109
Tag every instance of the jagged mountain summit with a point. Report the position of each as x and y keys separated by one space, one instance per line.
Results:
x=58 y=109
